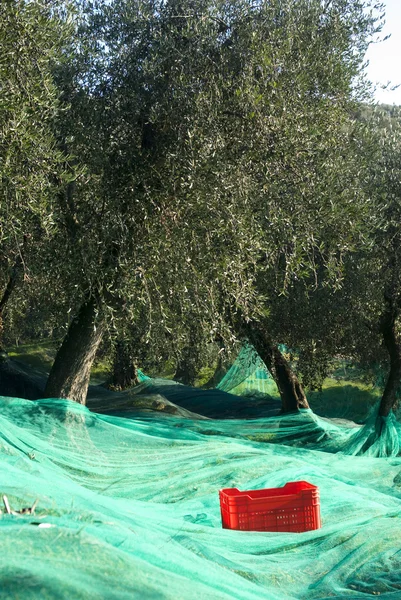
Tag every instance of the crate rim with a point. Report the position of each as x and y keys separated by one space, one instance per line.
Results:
x=311 y=487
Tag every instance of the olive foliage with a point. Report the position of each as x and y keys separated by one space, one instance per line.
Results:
x=31 y=44
x=208 y=153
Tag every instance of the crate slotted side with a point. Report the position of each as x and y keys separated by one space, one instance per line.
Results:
x=294 y=507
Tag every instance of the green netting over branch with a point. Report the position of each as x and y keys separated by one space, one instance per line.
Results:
x=141 y=376
x=345 y=395
x=133 y=512
x=247 y=375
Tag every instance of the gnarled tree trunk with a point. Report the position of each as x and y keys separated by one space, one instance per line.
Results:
x=217 y=376
x=69 y=376
x=125 y=374
x=186 y=369
x=221 y=366
x=12 y=282
x=388 y=331
x=291 y=392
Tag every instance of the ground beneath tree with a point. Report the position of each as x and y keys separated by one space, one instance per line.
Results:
x=160 y=395
x=131 y=505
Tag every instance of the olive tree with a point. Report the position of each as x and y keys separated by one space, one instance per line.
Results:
x=210 y=158
x=32 y=35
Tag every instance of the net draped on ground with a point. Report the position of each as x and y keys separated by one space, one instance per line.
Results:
x=128 y=505
x=134 y=511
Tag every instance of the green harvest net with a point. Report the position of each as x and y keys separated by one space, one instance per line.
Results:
x=128 y=506
x=248 y=375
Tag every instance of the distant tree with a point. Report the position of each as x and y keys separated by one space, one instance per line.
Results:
x=360 y=317
x=375 y=272
x=293 y=151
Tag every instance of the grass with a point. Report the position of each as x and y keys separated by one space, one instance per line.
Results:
x=344 y=398
x=344 y=394
x=40 y=356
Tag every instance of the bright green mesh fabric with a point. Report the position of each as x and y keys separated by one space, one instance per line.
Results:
x=132 y=504
x=141 y=376
x=248 y=375
x=345 y=395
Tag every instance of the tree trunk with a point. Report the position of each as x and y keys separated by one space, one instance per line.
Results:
x=69 y=376
x=186 y=370
x=291 y=392
x=12 y=282
x=9 y=287
x=217 y=376
x=388 y=331
x=221 y=369
x=125 y=373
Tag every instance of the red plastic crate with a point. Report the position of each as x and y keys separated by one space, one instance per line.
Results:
x=294 y=507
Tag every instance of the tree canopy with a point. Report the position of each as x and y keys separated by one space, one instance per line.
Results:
x=178 y=173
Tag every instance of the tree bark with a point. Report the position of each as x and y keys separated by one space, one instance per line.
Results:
x=70 y=373
x=290 y=389
x=125 y=373
x=388 y=331
x=221 y=369
x=186 y=370
x=217 y=376
x=12 y=282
